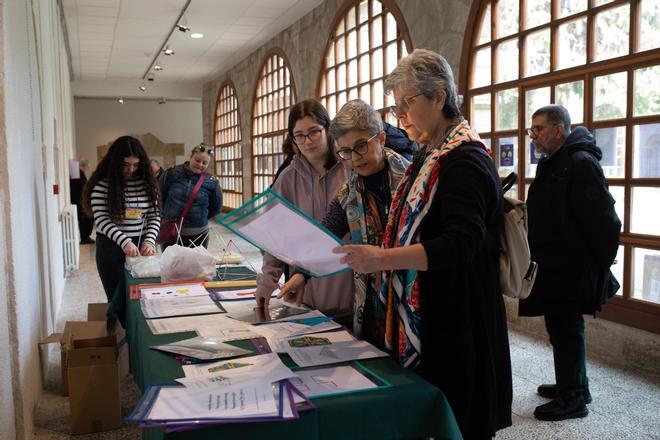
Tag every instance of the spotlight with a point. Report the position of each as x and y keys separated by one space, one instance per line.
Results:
x=158 y=67
x=120 y=100
x=182 y=27
x=142 y=88
x=196 y=35
x=168 y=51
x=161 y=101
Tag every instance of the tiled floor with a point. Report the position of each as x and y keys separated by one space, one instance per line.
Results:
x=626 y=403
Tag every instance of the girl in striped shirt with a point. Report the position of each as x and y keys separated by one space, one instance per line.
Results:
x=122 y=196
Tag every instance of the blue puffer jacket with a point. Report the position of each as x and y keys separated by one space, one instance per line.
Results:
x=177 y=183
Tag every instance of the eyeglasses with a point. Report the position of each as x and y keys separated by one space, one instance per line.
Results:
x=403 y=105
x=203 y=149
x=538 y=129
x=313 y=135
x=359 y=148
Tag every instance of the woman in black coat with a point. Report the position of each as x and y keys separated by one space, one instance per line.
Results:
x=446 y=318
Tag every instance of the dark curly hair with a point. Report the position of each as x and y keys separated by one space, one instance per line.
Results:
x=315 y=110
x=111 y=168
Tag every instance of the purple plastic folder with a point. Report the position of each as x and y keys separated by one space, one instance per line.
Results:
x=143 y=407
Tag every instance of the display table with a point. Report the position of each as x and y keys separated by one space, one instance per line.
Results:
x=410 y=408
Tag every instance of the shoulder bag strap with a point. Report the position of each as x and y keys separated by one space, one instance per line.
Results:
x=193 y=194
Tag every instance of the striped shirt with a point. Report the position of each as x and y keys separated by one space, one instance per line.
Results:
x=135 y=196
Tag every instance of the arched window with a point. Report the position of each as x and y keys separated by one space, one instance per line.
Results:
x=601 y=60
x=274 y=94
x=227 y=140
x=368 y=39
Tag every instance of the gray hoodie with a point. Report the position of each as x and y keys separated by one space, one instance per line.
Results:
x=300 y=185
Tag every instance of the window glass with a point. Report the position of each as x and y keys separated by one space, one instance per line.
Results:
x=570 y=7
x=507 y=65
x=537 y=13
x=612 y=31
x=534 y=100
x=572 y=43
x=484 y=28
x=507 y=10
x=649 y=18
x=646 y=151
x=506 y=111
x=274 y=97
x=610 y=93
x=228 y=157
x=646 y=271
x=537 y=55
x=646 y=99
x=481 y=112
x=612 y=143
x=645 y=210
x=481 y=75
x=571 y=96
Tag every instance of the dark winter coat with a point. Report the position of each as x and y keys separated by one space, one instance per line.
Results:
x=397 y=139
x=573 y=230
x=465 y=347
x=176 y=185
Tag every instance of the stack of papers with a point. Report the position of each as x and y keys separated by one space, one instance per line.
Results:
x=202 y=348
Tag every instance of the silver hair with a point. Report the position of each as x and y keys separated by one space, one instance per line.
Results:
x=428 y=72
x=356 y=115
x=556 y=114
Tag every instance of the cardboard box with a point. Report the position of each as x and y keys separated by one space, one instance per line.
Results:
x=93 y=377
x=96 y=312
x=91 y=371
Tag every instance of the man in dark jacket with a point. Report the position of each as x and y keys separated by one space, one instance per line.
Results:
x=574 y=237
x=85 y=224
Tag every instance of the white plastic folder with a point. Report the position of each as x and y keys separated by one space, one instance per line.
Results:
x=274 y=225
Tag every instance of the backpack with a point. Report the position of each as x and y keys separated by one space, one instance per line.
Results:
x=517 y=270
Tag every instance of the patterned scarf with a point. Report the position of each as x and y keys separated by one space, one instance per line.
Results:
x=400 y=290
x=365 y=228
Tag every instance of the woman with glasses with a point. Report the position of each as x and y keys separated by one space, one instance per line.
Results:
x=176 y=186
x=445 y=314
x=311 y=182
x=122 y=197
x=362 y=205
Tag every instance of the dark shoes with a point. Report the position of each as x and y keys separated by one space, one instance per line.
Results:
x=87 y=241
x=549 y=391
x=562 y=408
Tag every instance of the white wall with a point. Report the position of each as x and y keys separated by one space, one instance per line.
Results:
x=99 y=121
x=35 y=143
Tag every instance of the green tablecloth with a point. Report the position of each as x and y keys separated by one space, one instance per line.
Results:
x=411 y=408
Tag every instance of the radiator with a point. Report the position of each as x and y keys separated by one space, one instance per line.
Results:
x=70 y=238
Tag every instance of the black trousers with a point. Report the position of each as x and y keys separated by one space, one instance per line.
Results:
x=85 y=224
x=566 y=332
x=110 y=260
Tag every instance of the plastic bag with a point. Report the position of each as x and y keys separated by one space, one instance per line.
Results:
x=143 y=267
x=180 y=263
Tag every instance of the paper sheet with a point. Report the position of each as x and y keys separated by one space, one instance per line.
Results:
x=323 y=381
x=173 y=290
x=296 y=240
x=326 y=348
x=179 y=306
x=239 y=294
x=255 y=399
x=266 y=367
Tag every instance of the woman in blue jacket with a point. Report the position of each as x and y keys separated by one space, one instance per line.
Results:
x=176 y=185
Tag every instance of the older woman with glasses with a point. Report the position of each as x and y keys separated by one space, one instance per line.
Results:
x=362 y=205
x=310 y=182
x=177 y=186
x=445 y=313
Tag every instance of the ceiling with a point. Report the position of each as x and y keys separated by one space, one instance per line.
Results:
x=113 y=42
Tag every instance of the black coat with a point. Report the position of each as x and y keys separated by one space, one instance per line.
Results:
x=573 y=230
x=465 y=347
x=397 y=139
